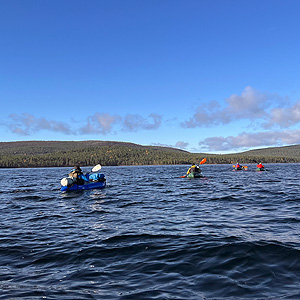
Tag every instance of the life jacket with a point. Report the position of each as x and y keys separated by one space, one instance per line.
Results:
x=191 y=169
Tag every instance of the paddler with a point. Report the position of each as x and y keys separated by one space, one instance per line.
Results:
x=194 y=169
x=77 y=173
x=260 y=166
x=238 y=166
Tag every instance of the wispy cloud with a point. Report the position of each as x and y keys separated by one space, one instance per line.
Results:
x=269 y=111
x=181 y=145
x=271 y=114
x=284 y=117
x=162 y=145
x=249 y=105
x=137 y=122
x=249 y=140
x=104 y=123
x=207 y=115
x=25 y=124
x=99 y=123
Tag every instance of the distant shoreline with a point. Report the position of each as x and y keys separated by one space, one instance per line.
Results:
x=41 y=154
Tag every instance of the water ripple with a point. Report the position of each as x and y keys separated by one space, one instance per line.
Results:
x=149 y=235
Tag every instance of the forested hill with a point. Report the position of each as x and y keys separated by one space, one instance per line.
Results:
x=43 y=147
x=89 y=153
x=287 y=151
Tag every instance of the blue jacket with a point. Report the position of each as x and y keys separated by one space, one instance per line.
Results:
x=84 y=177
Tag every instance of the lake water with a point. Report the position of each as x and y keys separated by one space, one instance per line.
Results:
x=151 y=234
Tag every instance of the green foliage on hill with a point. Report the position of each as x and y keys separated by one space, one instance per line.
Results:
x=89 y=153
x=287 y=151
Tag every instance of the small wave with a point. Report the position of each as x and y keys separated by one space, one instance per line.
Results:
x=234 y=236
x=21 y=191
x=29 y=197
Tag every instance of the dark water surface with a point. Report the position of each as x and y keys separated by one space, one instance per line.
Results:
x=151 y=234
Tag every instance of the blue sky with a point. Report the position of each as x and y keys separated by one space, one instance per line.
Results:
x=213 y=76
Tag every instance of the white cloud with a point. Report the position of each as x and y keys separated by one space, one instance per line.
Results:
x=99 y=123
x=25 y=124
x=137 y=122
x=284 y=117
x=104 y=123
x=251 y=104
x=162 y=145
x=181 y=145
x=207 y=115
x=250 y=140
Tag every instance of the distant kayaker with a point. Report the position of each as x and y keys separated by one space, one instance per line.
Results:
x=238 y=166
x=194 y=169
x=260 y=166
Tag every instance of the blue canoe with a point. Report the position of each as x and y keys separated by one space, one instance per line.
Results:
x=88 y=186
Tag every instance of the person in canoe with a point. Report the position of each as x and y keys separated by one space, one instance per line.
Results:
x=79 y=181
x=77 y=173
x=238 y=166
x=194 y=169
x=260 y=167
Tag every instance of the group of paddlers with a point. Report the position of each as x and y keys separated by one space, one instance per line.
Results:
x=240 y=167
x=196 y=169
x=81 y=178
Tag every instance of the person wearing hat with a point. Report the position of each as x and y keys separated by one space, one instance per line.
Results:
x=76 y=173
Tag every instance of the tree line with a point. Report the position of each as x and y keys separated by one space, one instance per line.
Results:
x=115 y=155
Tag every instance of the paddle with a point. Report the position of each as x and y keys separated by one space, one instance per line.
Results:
x=201 y=163
x=96 y=168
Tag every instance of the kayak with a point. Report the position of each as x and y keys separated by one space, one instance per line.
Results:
x=194 y=175
x=92 y=181
x=237 y=169
x=87 y=186
x=245 y=168
x=260 y=169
